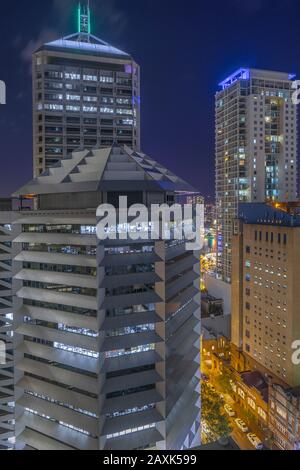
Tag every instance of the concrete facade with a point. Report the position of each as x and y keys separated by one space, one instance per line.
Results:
x=107 y=333
x=7 y=396
x=265 y=290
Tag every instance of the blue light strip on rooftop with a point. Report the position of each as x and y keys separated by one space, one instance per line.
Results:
x=240 y=74
x=88 y=46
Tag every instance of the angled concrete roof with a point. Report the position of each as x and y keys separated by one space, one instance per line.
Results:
x=115 y=168
x=94 y=46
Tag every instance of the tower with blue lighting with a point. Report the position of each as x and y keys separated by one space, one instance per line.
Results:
x=256 y=147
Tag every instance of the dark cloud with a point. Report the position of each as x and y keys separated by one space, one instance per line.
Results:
x=46 y=35
x=109 y=13
x=63 y=10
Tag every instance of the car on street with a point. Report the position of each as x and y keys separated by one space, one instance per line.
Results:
x=241 y=425
x=255 y=441
x=229 y=410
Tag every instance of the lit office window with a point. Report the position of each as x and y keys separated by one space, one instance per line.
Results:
x=106 y=110
x=72 y=76
x=73 y=97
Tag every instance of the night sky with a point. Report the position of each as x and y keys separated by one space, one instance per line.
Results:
x=185 y=48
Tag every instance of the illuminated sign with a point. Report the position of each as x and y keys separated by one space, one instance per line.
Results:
x=240 y=74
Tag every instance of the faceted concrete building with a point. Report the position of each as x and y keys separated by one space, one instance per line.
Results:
x=7 y=411
x=265 y=286
x=256 y=148
x=107 y=333
x=86 y=94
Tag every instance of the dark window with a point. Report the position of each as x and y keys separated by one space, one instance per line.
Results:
x=73 y=120
x=133 y=197
x=130 y=391
x=248 y=249
x=135 y=370
x=91 y=121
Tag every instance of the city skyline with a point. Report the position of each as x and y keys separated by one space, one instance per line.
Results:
x=129 y=27
x=120 y=332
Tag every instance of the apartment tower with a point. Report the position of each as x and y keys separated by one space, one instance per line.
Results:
x=86 y=94
x=256 y=148
x=107 y=333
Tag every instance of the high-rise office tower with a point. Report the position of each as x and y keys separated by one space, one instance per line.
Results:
x=86 y=94
x=256 y=148
x=107 y=332
x=7 y=398
x=265 y=286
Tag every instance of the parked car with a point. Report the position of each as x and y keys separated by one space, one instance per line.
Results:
x=255 y=441
x=241 y=425
x=229 y=410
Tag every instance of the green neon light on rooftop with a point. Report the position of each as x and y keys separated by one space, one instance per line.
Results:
x=89 y=20
x=84 y=26
x=79 y=17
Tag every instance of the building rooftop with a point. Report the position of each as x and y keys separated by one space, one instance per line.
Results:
x=254 y=379
x=291 y=392
x=93 y=46
x=115 y=168
x=275 y=214
x=247 y=73
x=83 y=42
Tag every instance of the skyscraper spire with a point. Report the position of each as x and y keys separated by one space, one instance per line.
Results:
x=84 y=21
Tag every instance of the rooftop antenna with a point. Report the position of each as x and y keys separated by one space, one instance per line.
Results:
x=84 y=22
